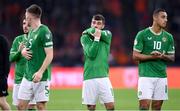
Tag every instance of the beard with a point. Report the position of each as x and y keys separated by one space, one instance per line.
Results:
x=162 y=25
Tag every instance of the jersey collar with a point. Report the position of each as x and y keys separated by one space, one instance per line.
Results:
x=37 y=28
x=150 y=28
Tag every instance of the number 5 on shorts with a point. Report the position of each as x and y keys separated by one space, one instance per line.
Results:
x=46 y=90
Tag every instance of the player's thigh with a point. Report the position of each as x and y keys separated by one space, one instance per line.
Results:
x=25 y=90
x=145 y=88
x=41 y=91
x=89 y=92
x=3 y=87
x=15 y=94
x=106 y=94
x=161 y=89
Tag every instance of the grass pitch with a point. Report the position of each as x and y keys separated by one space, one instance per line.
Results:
x=125 y=99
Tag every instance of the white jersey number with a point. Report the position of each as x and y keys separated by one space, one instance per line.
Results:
x=157 y=45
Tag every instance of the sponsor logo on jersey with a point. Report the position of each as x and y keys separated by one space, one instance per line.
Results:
x=149 y=38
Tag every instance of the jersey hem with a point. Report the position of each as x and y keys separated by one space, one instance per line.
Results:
x=154 y=76
x=136 y=50
x=95 y=77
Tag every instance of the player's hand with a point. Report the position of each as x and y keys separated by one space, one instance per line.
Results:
x=21 y=46
x=97 y=33
x=26 y=53
x=156 y=53
x=37 y=77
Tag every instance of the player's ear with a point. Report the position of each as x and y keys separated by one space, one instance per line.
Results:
x=103 y=26
x=155 y=17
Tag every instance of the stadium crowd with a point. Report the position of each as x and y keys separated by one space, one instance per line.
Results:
x=68 y=18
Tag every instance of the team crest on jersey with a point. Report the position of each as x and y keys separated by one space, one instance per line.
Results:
x=140 y=93
x=164 y=39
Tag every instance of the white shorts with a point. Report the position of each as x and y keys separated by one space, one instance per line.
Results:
x=29 y=89
x=15 y=95
x=98 y=88
x=152 y=88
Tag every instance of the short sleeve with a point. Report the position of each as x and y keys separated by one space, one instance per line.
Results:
x=46 y=38
x=171 y=48
x=138 y=42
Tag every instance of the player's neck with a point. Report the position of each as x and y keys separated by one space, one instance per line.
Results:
x=26 y=35
x=36 y=25
x=156 y=29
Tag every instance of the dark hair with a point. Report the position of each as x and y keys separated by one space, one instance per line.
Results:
x=99 y=17
x=156 y=11
x=35 y=10
x=22 y=19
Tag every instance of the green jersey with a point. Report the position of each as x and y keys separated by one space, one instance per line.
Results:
x=15 y=56
x=96 y=54
x=38 y=39
x=147 y=41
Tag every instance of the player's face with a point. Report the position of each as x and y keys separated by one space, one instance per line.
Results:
x=161 y=19
x=97 y=24
x=25 y=27
x=29 y=19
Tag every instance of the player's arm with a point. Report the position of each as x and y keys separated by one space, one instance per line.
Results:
x=138 y=48
x=47 y=42
x=138 y=56
x=48 y=59
x=15 y=51
x=90 y=47
x=170 y=56
x=4 y=48
x=106 y=36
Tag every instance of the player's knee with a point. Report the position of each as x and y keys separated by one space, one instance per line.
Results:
x=1 y=103
x=144 y=107
x=4 y=105
x=31 y=107
x=21 y=106
x=156 y=106
x=91 y=107
x=109 y=106
x=144 y=104
x=41 y=106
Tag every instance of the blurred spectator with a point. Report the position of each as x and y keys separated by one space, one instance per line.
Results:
x=68 y=18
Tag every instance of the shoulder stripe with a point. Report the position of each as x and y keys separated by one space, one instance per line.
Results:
x=49 y=43
x=171 y=52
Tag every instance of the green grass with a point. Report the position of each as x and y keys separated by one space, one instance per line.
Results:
x=125 y=99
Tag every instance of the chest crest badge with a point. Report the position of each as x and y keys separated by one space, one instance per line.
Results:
x=164 y=39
